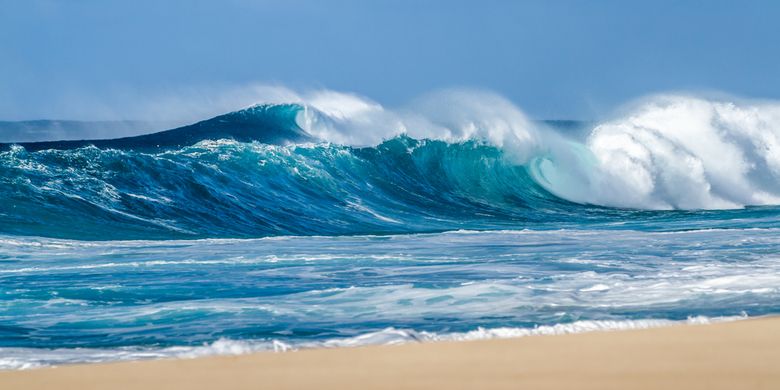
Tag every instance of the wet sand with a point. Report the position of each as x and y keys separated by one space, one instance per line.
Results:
x=732 y=355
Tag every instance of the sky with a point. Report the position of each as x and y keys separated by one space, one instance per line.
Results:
x=163 y=60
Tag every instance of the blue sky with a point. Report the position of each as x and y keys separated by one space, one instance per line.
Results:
x=554 y=59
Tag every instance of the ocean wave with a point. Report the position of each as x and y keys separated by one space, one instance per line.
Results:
x=337 y=164
x=228 y=188
x=666 y=152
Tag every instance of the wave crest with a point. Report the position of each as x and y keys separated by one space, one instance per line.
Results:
x=677 y=152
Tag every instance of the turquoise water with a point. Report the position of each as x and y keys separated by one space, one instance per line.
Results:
x=247 y=232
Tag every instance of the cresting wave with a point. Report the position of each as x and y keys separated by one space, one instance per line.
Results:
x=232 y=189
x=336 y=164
x=666 y=152
x=684 y=153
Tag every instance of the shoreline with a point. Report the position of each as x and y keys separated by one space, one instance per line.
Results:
x=25 y=358
x=741 y=354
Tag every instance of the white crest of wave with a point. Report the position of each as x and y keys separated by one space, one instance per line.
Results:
x=450 y=115
x=678 y=152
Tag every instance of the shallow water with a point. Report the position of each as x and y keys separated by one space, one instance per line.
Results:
x=150 y=298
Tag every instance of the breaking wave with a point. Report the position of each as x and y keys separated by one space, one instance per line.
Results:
x=333 y=164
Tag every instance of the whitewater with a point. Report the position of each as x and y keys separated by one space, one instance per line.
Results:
x=326 y=219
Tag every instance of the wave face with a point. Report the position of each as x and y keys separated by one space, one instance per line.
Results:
x=233 y=189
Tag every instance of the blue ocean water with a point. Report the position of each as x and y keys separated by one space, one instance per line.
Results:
x=281 y=227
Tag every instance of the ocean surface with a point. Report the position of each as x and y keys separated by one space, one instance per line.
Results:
x=333 y=221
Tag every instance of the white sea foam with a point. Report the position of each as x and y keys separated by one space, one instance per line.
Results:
x=686 y=153
x=29 y=358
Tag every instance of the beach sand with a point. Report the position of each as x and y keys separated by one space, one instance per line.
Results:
x=732 y=355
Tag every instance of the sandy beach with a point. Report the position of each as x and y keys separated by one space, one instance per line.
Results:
x=732 y=355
